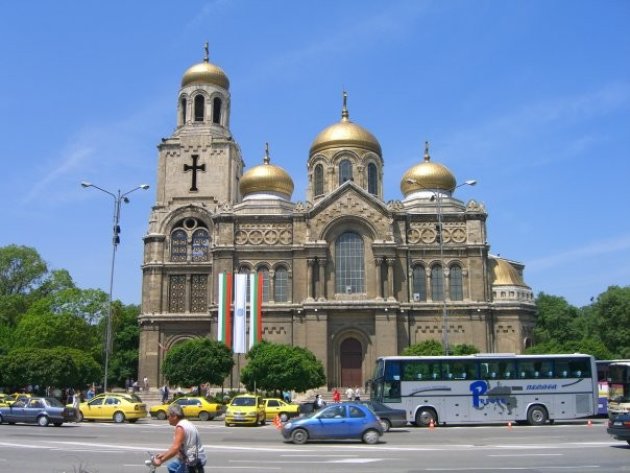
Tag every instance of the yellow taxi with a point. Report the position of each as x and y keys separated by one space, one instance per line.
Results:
x=112 y=406
x=245 y=409
x=192 y=406
x=8 y=399
x=277 y=407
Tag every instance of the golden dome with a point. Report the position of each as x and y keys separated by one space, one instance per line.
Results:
x=427 y=176
x=205 y=73
x=345 y=133
x=266 y=178
x=504 y=274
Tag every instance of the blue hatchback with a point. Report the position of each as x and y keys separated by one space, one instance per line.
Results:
x=347 y=420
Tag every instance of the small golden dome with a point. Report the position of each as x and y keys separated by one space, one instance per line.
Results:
x=206 y=73
x=345 y=133
x=427 y=176
x=266 y=178
x=504 y=274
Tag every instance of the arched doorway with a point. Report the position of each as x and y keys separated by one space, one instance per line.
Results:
x=351 y=362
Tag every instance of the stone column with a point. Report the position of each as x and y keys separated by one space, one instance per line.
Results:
x=322 y=279
x=379 y=279
x=390 y=279
x=309 y=278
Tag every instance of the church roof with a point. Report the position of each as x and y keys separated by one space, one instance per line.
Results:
x=205 y=73
x=266 y=178
x=427 y=175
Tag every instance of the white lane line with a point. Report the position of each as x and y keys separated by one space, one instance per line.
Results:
x=528 y=455
x=520 y=468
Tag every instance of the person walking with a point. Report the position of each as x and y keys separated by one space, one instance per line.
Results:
x=186 y=446
x=349 y=394
x=336 y=395
x=165 y=394
x=357 y=393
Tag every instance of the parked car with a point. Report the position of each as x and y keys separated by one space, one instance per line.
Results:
x=347 y=420
x=192 y=406
x=277 y=407
x=245 y=409
x=389 y=416
x=37 y=410
x=8 y=399
x=619 y=427
x=112 y=406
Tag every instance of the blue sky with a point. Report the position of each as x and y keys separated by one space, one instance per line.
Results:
x=531 y=99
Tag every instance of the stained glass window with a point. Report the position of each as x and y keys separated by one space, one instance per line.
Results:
x=281 y=285
x=456 y=283
x=349 y=258
x=179 y=245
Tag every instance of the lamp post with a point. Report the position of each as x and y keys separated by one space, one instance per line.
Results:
x=118 y=198
x=437 y=195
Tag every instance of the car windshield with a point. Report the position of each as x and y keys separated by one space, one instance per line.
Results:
x=243 y=401
x=53 y=402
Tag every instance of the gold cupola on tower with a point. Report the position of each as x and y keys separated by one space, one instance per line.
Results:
x=266 y=180
x=205 y=73
x=345 y=134
x=427 y=176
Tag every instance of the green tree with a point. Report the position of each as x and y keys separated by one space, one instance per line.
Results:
x=21 y=269
x=58 y=366
x=611 y=313
x=197 y=361
x=123 y=362
x=274 y=367
x=558 y=321
x=425 y=348
x=463 y=349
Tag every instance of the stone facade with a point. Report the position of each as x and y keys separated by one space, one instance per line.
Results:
x=347 y=275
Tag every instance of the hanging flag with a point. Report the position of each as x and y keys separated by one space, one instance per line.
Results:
x=255 y=308
x=240 y=316
x=224 y=330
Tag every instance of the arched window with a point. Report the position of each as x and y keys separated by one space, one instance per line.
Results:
x=437 y=283
x=281 y=285
x=456 y=285
x=372 y=179
x=200 y=245
x=345 y=171
x=349 y=269
x=183 y=104
x=199 y=105
x=264 y=273
x=318 y=177
x=419 y=290
x=179 y=245
x=216 y=110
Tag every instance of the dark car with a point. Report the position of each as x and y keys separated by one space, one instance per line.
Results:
x=619 y=427
x=389 y=416
x=347 y=420
x=37 y=410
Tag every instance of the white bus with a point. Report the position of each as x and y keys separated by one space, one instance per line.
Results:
x=487 y=388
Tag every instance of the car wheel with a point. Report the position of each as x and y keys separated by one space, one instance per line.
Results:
x=43 y=421
x=284 y=417
x=119 y=417
x=537 y=415
x=203 y=415
x=425 y=416
x=299 y=436
x=370 y=437
x=161 y=415
x=386 y=424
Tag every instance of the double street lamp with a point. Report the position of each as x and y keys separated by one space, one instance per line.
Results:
x=118 y=197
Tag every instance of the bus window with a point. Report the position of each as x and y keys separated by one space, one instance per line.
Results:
x=463 y=369
x=579 y=367
x=526 y=369
x=392 y=370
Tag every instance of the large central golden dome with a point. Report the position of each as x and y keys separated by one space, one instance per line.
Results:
x=206 y=73
x=345 y=133
x=427 y=176
x=266 y=178
x=504 y=274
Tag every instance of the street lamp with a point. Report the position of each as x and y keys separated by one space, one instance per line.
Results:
x=437 y=195
x=118 y=198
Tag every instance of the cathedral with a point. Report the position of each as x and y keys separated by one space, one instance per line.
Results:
x=346 y=274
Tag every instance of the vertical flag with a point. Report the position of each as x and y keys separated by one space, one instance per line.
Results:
x=240 y=325
x=224 y=331
x=255 y=309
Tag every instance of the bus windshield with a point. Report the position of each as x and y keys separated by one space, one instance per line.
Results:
x=619 y=382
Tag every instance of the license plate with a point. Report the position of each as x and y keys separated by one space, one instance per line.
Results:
x=618 y=423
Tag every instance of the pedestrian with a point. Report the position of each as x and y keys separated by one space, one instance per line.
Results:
x=90 y=392
x=165 y=394
x=286 y=396
x=318 y=403
x=336 y=395
x=357 y=393
x=145 y=382
x=349 y=394
x=186 y=446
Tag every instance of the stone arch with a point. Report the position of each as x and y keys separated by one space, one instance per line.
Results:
x=350 y=349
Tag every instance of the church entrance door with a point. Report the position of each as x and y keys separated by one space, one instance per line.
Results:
x=351 y=361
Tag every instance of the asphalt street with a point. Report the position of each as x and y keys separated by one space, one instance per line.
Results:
x=121 y=448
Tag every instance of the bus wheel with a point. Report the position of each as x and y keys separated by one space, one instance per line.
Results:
x=426 y=416
x=537 y=415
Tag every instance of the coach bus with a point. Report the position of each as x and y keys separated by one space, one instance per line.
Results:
x=486 y=388
x=618 y=387
x=602 y=382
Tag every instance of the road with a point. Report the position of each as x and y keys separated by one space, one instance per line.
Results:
x=121 y=448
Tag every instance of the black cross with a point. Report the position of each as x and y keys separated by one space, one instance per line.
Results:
x=194 y=168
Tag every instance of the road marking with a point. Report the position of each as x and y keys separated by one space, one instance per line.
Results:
x=519 y=468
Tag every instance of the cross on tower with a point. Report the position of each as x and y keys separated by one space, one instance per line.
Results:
x=194 y=168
